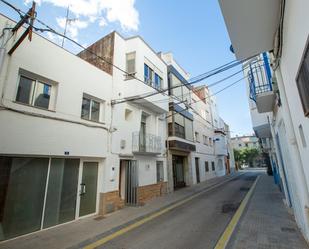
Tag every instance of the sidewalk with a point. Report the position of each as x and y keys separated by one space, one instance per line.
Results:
x=266 y=222
x=76 y=234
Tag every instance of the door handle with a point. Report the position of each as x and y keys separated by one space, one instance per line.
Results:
x=82 y=189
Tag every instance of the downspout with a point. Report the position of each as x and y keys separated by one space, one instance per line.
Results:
x=278 y=40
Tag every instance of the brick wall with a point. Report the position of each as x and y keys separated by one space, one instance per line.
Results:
x=148 y=192
x=103 y=48
x=110 y=202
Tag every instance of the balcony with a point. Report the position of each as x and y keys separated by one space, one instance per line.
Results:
x=251 y=24
x=220 y=145
x=260 y=84
x=146 y=144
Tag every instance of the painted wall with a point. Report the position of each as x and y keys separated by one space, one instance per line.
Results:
x=295 y=38
x=25 y=134
x=155 y=107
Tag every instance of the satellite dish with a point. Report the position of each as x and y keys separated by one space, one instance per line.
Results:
x=232 y=49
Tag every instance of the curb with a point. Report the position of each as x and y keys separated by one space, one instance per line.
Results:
x=228 y=232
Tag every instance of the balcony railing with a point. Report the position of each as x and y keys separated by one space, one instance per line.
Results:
x=260 y=84
x=146 y=143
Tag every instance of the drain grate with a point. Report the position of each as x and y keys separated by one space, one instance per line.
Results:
x=229 y=207
x=288 y=229
x=244 y=189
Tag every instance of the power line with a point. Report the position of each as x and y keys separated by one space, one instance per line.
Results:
x=203 y=76
x=49 y=29
x=146 y=95
x=209 y=96
x=193 y=80
x=210 y=85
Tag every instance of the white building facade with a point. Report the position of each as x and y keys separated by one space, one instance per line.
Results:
x=90 y=133
x=138 y=126
x=281 y=27
x=54 y=133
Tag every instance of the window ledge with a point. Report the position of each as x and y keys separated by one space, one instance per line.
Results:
x=33 y=106
x=93 y=121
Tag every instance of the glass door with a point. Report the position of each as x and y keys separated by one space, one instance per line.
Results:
x=22 y=190
x=61 y=193
x=88 y=188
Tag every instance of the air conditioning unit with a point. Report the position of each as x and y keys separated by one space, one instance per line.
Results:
x=122 y=144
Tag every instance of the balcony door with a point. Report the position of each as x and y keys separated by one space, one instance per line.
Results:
x=197 y=169
x=142 y=136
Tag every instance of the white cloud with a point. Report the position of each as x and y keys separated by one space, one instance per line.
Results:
x=102 y=22
x=122 y=11
x=73 y=26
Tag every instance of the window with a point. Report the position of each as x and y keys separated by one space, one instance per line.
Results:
x=90 y=109
x=239 y=145
x=128 y=114
x=302 y=81
x=204 y=139
x=210 y=141
x=160 y=171
x=130 y=65
x=148 y=74
x=33 y=92
x=151 y=76
x=213 y=166
x=206 y=166
x=158 y=81
x=179 y=131
x=197 y=137
x=203 y=114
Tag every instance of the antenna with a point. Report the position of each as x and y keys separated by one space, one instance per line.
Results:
x=67 y=21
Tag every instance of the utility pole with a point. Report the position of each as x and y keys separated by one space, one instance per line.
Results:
x=28 y=18
x=67 y=21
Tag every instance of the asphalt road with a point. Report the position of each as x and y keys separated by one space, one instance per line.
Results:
x=196 y=224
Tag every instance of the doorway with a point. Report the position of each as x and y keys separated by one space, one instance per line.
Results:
x=38 y=193
x=178 y=172
x=128 y=182
x=197 y=170
x=88 y=188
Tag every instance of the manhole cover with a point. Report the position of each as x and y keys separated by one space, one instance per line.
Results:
x=229 y=207
x=288 y=229
x=244 y=189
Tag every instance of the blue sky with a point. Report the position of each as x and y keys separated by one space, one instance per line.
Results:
x=194 y=33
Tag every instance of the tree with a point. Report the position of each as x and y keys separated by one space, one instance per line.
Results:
x=245 y=156
x=238 y=158
x=249 y=155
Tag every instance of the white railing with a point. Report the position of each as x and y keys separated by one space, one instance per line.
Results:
x=146 y=143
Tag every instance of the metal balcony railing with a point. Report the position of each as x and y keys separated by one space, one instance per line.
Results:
x=146 y=143
x=260 y=78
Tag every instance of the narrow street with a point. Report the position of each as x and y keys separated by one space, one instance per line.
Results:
x=125 y=125
x=196 y=224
